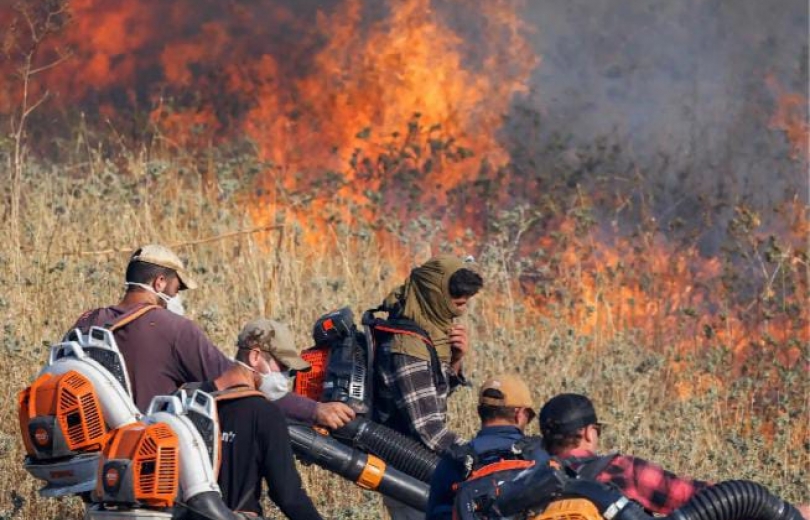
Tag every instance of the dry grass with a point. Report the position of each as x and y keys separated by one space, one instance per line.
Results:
x=95 y=204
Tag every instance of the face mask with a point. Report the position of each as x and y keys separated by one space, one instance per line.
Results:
x=173 y=303
x=274 y=385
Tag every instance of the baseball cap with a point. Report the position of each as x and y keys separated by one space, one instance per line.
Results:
x=275 y=338
x=512 y=392
x=566 y=413
x=164 y=257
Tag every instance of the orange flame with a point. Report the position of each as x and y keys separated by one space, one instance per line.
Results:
x=318 y=90
x=791 y=117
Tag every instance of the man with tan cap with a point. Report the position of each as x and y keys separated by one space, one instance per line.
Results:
x=505 y=407
x=271 y=341
x=255 y=442
x=162 y=349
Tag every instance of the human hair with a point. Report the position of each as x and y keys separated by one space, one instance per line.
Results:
x=242 y=355
x=556 y=443
x=465 y=282
x=144 y=272
x=488 y=412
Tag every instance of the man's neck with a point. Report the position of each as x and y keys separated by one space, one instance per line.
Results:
x=237 y=375
x=132 y=298
x=499 y=422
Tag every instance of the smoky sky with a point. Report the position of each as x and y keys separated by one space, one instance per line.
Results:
x=679 y=86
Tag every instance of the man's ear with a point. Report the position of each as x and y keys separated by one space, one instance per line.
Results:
x=589 y=434
x=253 y=357
x=160 y=283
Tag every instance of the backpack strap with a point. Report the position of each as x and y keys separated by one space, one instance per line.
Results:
x=226 y=394
x=128 y=317
x=473 y=461
x=501 y=465
x=236 y=392
x=408 y=327
x=465 y=456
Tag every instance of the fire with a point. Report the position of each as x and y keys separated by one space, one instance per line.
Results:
x=791 y=117
x=302 y=83
x=391 y=97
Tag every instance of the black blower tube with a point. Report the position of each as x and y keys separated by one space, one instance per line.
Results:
x=351 y=463
x=730 y=500
x=401 y=452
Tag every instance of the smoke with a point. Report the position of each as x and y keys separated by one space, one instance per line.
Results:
x=686 y=91
x=673 y=100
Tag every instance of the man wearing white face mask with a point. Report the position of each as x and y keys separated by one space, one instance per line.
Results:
x=162 y=349
x=274 y=339
x=255 y=441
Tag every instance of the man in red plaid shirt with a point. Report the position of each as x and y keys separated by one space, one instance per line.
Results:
x=571 y=431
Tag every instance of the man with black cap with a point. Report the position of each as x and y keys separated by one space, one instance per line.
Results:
x=571 y=431
x=162 y=348
x=505 y=407
x=255 y=441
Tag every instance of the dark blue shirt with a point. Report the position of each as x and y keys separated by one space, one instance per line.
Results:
x=451 y=471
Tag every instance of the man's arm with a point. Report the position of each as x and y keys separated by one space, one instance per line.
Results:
x=198 y=358
x=305 y=410
x=297 y=408
x=649 y=484
x=442 y=496
x=420 y=400
x=278 y=467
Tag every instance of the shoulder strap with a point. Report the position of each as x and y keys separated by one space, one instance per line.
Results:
x=236 y=392
x=129 y=317
x=465 y=456
x=394 y=325
x=226 y=394
x=407 y=327
x=501 y=465
x=593 y=467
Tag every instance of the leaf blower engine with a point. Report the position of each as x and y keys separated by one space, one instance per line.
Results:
x=84 y=436
x=342 y=363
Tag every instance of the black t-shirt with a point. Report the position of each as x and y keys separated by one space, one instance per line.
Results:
x=256 y=445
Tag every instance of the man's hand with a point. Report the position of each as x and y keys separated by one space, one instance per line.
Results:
x=458 y=346
x=333 y=415
x=804 y=510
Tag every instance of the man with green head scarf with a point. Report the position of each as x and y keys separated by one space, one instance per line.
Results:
x=416 y=372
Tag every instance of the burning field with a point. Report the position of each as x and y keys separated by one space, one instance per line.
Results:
x=632 y=177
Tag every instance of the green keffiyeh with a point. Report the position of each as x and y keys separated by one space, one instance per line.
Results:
x=425 y=298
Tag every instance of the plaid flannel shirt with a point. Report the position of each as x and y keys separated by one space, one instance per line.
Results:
x=649 y=484
x=420 y=401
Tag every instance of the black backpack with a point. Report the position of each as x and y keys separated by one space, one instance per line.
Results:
x=485 y=473
x=489 y=474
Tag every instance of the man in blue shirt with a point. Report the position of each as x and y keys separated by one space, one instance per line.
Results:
x=505 y=408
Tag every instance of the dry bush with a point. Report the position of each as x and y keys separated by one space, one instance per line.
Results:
x=95 y=203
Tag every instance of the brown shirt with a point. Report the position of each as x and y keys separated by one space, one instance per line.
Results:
x=162 y=351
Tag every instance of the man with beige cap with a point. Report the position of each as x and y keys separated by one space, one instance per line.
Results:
x=162 y=348
x=268 y=346
x=255 y=442
x=505 y=407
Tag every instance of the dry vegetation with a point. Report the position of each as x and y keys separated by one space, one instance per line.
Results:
x=95 y=203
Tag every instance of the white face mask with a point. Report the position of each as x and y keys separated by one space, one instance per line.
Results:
x=274 y=385
x=173 y=303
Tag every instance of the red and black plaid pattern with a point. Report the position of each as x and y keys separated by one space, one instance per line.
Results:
x=655 y=488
